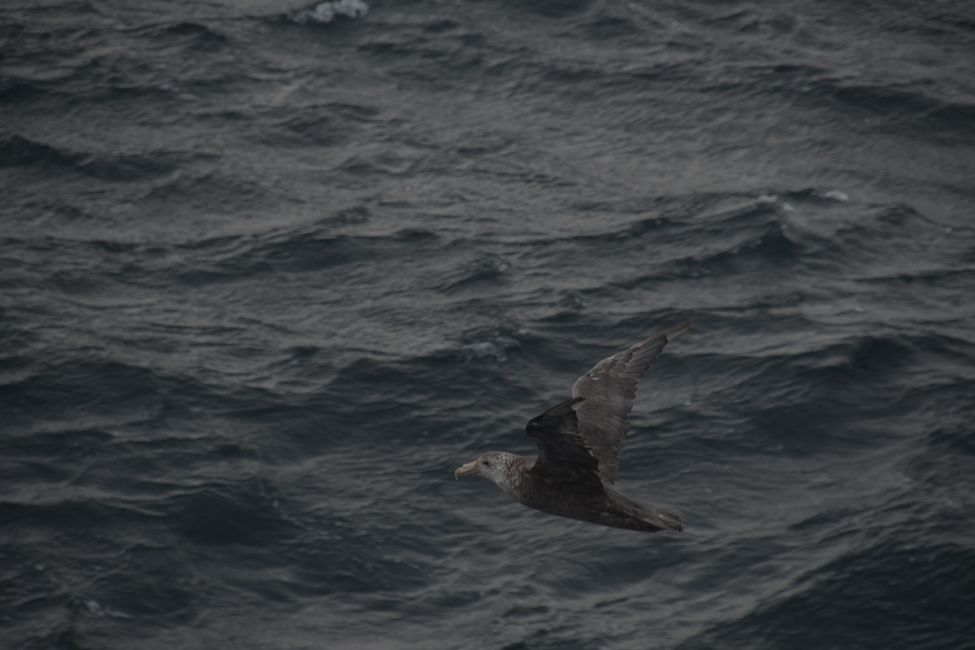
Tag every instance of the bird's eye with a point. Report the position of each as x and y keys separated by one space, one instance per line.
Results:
x=485 y=463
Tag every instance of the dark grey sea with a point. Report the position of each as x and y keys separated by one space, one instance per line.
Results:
x=270 y=271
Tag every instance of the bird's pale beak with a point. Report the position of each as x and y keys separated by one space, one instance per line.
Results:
x=467 y=469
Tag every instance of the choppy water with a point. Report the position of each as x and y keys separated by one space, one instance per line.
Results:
x=267 y=278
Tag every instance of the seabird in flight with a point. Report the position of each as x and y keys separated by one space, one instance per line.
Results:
x=578 y=448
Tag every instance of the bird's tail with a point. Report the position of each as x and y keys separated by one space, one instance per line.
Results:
x=670 y=520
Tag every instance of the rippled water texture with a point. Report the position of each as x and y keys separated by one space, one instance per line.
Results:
x=269 y=272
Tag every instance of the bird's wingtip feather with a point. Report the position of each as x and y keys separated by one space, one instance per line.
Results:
x=676 y=330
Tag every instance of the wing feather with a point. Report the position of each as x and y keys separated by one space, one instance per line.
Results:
x=607 y=392
x=562 y=452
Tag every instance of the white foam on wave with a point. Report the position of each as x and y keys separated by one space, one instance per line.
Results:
x=96 y=609
x=325 y=12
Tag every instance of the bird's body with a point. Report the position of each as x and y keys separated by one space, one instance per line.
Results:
x=606 y=506
x=578 y=440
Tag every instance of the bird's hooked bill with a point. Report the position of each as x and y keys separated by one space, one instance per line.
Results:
x=467 y=469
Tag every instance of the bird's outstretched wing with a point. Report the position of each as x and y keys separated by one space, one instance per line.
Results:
x=607 y=392
x=562 y=452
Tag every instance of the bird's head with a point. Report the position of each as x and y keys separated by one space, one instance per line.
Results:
x=491 y=465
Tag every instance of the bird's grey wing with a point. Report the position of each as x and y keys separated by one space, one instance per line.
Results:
x=562 y=452
x=608 y=390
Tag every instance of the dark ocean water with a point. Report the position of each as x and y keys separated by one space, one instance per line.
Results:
x=267 y=278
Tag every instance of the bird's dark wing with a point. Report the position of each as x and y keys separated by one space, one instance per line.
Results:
x=607 y=392
x=562 y=452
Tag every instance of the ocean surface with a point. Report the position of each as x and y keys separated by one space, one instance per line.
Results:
x=270 y=271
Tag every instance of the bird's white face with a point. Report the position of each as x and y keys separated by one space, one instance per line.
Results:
x=491 y=465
